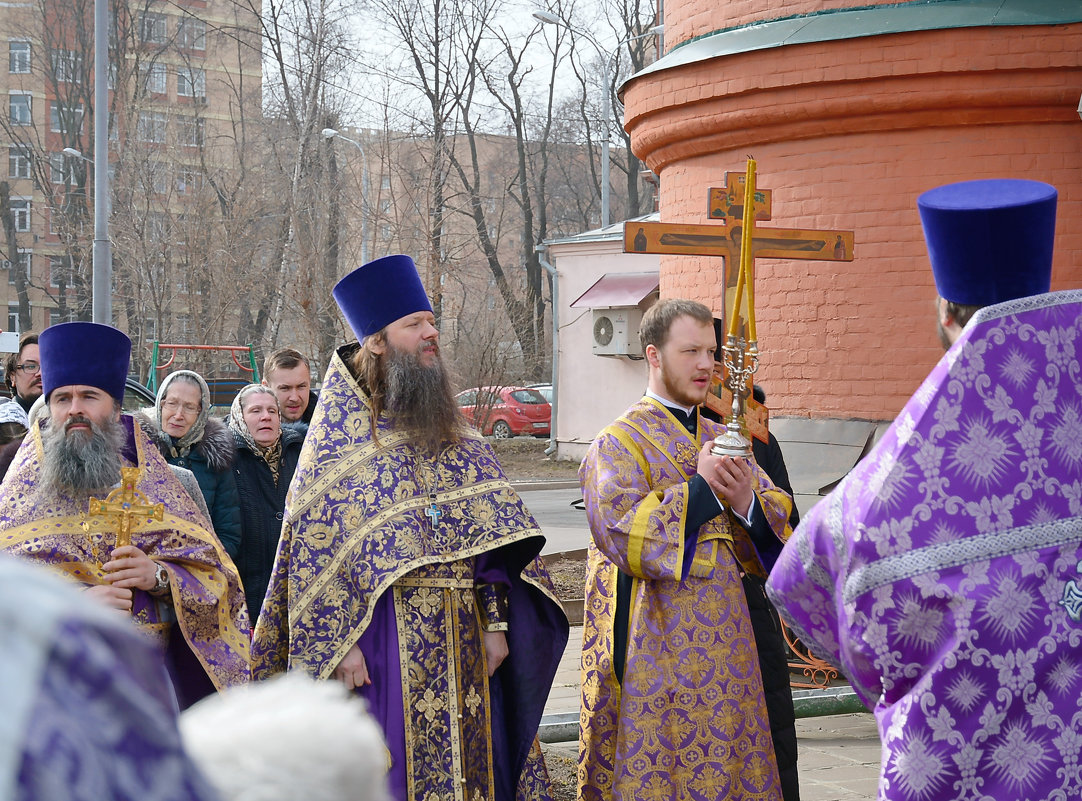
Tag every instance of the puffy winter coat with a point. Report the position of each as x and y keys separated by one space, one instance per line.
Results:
x=211 y=460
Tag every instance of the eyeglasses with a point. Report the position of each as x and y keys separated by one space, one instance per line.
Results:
x=29 y=367
x=171 y=406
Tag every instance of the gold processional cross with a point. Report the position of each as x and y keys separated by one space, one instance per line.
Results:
x=126 y=502
x=734 y=213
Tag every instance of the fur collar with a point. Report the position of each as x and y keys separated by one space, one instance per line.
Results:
x=216 y=447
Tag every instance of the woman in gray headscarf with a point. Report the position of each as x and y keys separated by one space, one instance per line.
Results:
x=187 y=436
x=266 y=458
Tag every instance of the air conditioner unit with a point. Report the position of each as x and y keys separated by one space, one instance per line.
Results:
x=616 y=331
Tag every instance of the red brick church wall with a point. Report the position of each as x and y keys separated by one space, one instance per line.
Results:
x=847 y=134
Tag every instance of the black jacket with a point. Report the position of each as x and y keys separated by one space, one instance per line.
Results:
x=261 y=507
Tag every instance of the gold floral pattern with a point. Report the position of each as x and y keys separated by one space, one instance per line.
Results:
x=44 y=526
x=689 y=720
x=356 y=531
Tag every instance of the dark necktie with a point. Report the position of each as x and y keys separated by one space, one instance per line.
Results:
x=688 y=421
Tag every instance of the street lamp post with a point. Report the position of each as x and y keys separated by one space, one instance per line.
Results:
x=102 y=282
x=549 y=18
x=331 y=133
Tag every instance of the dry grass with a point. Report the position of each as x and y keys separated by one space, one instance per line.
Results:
x=562 y=771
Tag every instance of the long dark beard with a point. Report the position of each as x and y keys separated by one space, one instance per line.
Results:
x=82 y=462
x=420 y=399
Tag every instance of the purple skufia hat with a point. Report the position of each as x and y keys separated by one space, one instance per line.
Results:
x=380 y=292
x=990 y=241
x=90 y=354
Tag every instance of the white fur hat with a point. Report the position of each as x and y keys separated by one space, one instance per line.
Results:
x=288 y=738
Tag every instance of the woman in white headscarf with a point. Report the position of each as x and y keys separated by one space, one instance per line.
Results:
x=187 y=436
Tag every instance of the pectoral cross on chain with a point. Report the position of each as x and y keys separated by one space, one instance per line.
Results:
x=126 y=502
x=432 y=512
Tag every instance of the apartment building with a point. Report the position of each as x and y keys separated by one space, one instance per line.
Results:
x=181 y=73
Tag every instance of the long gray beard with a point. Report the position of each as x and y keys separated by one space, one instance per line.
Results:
x=81 y=463
x=420 y=399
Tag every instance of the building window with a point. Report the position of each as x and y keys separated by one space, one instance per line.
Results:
x=19 y=109
x=67 y=66
x=58 y=269
x=159 y=177
x=20 y=212
x=24 y=263
x=153 y=28
x=18 y=162
x=13 y=318
x=62 y=169
x=190 y=131
x=56 y=316
x=189 y=180
x=19 y=57
x=155 y=79
x=191 y=82
x=65 y=119
x=192 y=33
x=151 y=126
x=157 y=229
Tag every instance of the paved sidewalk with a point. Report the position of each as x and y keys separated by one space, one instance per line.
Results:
x=838 y=755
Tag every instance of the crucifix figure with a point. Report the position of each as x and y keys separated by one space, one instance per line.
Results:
x=723 y=238
x=126 y=502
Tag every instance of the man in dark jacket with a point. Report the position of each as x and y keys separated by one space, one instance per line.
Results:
x=22 y=372
x=769 y=457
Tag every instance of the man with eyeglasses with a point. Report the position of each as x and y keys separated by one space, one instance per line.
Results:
x=22 y=373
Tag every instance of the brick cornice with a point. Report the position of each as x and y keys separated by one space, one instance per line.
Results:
x=745 y=100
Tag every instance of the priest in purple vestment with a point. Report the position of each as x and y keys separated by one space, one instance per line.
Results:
x=408 y=568
x=944 y=574
x=85 y=478
x=673 y=701
x=88 y=713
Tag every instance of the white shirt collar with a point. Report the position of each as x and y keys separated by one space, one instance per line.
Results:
x=688 y=410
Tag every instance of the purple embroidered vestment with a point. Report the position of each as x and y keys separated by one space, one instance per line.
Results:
x=204 y=631
x=392 y=551
x=689 y=720
x=944 y=574
x=87 y=710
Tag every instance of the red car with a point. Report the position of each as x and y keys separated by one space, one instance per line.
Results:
x=506 y=411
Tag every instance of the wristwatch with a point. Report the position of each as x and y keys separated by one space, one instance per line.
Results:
x=161 y=579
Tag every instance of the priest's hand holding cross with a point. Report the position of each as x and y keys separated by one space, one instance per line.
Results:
x=128 y=568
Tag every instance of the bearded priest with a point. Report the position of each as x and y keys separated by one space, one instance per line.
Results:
x=89 y=496
x=408 y=567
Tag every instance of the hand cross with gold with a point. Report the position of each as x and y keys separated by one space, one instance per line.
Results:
x=126 y=502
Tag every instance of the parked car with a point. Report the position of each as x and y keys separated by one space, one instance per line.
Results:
x=506 y=411
x=545 y=390
x=136 y=396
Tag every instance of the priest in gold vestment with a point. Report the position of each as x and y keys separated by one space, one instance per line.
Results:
x=408 y=568
x=174 y=578
x=672 y=694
